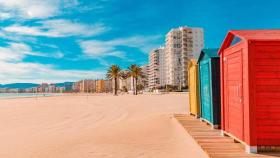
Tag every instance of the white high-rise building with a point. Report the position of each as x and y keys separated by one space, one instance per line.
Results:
x=162 y=66
x=144 y=80
x=182 y=44
x=156 y=73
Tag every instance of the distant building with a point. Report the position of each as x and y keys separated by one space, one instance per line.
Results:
x=88 y=86
x=52 y=88
x=34 y=89
x=60 y=89
x=83 y=86
x=68 y=86
x=100 y=86
x=124 y=84
x=182 y=44
x=43 y=88
x=156 y=75
x=144 y=81
x=29 y=90
x=92 y=86
x=3 y=90
x=77 y=87
x=108 y=86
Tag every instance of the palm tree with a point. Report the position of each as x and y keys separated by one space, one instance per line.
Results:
x=113 y=74
x=135 y=73
x=138 y=73
x=131 y=69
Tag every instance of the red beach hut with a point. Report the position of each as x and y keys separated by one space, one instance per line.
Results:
x=250 y=88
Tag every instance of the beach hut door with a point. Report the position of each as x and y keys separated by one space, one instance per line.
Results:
x=206 y=93
x=234 y=90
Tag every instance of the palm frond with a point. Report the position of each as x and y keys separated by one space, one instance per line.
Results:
x=135 y=71
x=113 y=72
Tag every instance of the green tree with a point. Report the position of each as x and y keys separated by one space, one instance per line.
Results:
x=135 y=72
x=113 y=73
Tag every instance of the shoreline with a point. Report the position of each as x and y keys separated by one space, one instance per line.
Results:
x=41 y=95
x=32 y=95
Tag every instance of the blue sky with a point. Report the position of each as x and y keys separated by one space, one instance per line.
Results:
x=68 y=40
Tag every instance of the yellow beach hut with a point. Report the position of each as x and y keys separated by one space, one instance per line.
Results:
x=193 y=88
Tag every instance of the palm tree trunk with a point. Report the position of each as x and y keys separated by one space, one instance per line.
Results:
x=116 y=85
x=136 y=86
x=133 y=85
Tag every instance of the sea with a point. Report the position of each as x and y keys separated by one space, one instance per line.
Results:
x=27 y=95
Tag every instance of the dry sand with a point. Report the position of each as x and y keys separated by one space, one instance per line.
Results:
x=98 y=126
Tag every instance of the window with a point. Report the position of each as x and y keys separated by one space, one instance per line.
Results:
x=177 y=45
x=235 y=41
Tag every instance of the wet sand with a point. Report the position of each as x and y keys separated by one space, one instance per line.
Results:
x=99 y=126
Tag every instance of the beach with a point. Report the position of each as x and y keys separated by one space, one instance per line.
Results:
x=96 y=126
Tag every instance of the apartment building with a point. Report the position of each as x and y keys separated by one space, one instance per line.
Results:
x=85 y=86
x=182 y=44
x=93 y=86
x=156 y=75
x=144 y=80
x=100 y=86
x=52 y=88
x=43 y=88
x=162 y=66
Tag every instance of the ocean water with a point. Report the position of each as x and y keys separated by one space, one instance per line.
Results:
x=26 y=95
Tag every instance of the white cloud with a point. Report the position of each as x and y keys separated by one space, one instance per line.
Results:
x=144 y=43
x=16 y=52
x=14 y=69
x=13 y=66
x=38 y=9
x=57 y=28
x=70 y=3
x=4 y=15
x=97 y=49
x=8 y=54
x=16 y=38
x=38 y=73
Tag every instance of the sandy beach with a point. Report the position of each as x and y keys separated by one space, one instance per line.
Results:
x=99 y=126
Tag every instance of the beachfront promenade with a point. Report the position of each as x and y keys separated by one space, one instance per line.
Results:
x=106 y=126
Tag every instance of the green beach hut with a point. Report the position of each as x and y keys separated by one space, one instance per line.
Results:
x=209 y=87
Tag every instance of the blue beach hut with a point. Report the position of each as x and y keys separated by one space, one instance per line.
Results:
x=209 y=78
